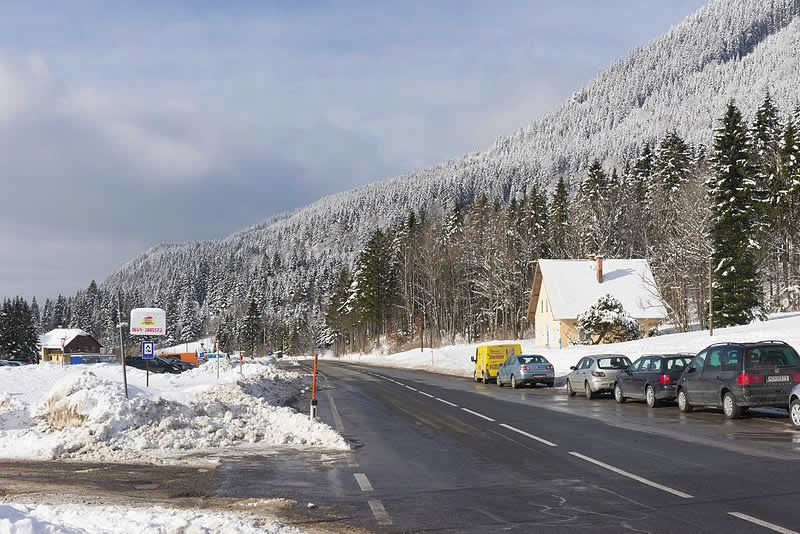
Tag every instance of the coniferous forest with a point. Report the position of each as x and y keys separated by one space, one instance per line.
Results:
x=464 y=271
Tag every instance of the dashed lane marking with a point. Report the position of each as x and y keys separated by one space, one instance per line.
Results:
x=426 y=394
x=447 y=402
x=381 y=516
x=631 y=475
x=412 y=389
x=537 y=438
x=363 y=482
x=479 y=415
x=762 y=523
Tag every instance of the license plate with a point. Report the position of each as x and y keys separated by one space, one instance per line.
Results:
x=779 y=378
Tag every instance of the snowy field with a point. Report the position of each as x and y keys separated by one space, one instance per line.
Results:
x=80 y=412
x=77 y=519
x=455 y=359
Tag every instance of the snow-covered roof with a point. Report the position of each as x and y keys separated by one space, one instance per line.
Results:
x=53 y=339
x=572 y=287
x=205 y=344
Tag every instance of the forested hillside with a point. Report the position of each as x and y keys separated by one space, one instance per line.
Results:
x=275 y=279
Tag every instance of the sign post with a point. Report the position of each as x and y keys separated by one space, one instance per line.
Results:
x=148 y=353
x=313 y=414
x=147 y=322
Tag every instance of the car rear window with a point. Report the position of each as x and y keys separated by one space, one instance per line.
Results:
x=777 y=356
x=531 y=359
x=613 y=362
x=677 y=364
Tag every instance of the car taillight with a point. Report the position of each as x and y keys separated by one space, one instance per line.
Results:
x=598 y=374
x=664 y=379
x=551 y=367
x=523 y=367
x=746 y=379
x=796 y=377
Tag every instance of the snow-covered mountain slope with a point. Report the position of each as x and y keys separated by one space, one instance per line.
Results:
x=727 y=49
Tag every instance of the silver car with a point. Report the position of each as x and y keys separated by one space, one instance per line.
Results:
x=794 y=406
x=522 y=369
x=595 y=374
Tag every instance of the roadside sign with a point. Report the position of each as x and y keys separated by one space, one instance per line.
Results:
x=148 y=350
x=148 y=322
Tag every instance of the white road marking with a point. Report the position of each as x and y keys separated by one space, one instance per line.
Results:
x=412 y=389
x=537 y=438
x=426 y=394
x=479 y=415
x=762 y=523
x=631 y=475
x=381 y=516
x=363 y=482
x=337 y=419
x=447 y=402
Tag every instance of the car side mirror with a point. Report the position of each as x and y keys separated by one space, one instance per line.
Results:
x=572 y=368
x=472 y=359
x=691 y=370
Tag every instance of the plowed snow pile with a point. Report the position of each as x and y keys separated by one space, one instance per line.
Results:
x=85 y=413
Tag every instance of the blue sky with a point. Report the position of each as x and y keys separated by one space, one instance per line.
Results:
x=128 y=124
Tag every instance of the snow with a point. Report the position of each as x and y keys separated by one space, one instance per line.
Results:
x=572 y=287
x=49 y=411
x=205 y=344
x=89 y=519
x=455 y=359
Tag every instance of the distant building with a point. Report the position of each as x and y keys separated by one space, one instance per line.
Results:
x=564 y=289
x=67 y=345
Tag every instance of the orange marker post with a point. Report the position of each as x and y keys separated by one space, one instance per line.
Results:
x=313 y=414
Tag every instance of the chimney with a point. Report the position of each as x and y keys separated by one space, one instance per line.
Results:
x=599 y=260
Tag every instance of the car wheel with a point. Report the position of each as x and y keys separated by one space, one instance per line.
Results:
x=570 y=391
x=587 y=390
x=486 y=377
x=514 y=384
x=729 y=406
x=499 y=382
x=618 y=396
x=475 y=376
x=650 y=396
x=794 y=413
x=683 y=402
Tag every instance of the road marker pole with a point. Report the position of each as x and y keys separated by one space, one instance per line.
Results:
x=313 y=413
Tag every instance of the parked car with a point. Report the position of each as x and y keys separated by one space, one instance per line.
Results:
x=525 y=369
x=11 y=363
x=180 y=364
x=595 y=374
x=739 y=376
x=794 y=406
x=651 y=378
x=156 y=365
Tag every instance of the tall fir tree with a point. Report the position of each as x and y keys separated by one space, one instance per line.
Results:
x=558 y=221
x=737 y=292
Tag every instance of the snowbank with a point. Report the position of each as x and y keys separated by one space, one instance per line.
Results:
x=455 y=359
x=85 y=414
x=87 y=519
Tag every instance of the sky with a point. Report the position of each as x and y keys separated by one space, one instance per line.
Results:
x=128 y=124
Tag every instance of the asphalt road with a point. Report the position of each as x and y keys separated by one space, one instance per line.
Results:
x=443 y=454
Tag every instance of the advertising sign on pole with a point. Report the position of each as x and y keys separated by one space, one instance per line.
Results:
x=148 y=322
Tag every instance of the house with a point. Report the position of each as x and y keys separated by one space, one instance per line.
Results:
x=67 y=345
x=564 y=289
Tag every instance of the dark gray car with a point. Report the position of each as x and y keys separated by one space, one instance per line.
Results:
x=651 y=378
x=525 y=369
x=738 y=376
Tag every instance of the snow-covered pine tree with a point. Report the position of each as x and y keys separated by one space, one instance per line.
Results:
x=607 y=321
x=734 y=217
x=558 y=221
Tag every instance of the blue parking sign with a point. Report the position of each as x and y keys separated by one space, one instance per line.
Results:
x=148 y=350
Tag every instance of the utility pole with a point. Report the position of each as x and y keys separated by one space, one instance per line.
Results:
x=122 y=324
x=710 y=298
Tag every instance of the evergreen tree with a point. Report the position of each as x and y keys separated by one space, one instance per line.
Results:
x=558 y=221
x=737 y=295
x=250 y=330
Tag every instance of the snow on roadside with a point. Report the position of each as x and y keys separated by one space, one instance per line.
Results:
x=455 y=359
x=90 y=519
x=85 y=414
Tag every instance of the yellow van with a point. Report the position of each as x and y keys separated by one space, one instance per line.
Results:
x=489 y=357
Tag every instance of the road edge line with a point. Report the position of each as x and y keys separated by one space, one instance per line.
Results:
x=762 y=523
